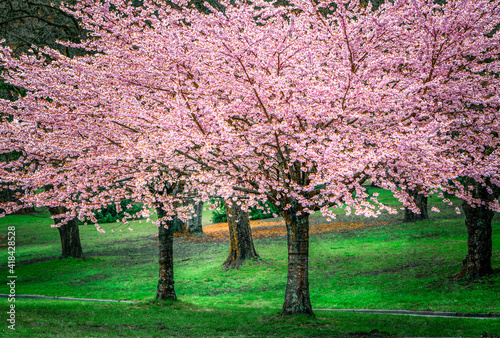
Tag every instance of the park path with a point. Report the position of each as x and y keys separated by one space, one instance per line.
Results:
x=371 y=311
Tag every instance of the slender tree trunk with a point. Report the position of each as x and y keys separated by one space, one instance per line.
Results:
x=297 y=299
x=69 y=234
x=240 y=237
x=165 y=288
x=421 y=202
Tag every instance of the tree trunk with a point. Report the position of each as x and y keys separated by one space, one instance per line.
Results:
x=240 y=237
x=193 y=225
x=297 y=299
x=178 y=227
x=477 y=263
x=421 y=202
x=70 y=235
x=165 y=288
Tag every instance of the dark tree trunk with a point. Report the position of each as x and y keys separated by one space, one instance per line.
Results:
x=421 y=202
x=165 y=288
x=193 y=225
x=240 y=237
x=477 y=263
x=297 y=299
x=70 y=235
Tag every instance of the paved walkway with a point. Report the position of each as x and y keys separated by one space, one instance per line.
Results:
x=421 y=313
x=3 y=295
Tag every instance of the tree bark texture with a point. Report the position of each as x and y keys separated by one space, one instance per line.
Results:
x=165 y=288
x=297 y=299
x=477 y=263
x=421 y=202
x=240 y=237
x=69 y=234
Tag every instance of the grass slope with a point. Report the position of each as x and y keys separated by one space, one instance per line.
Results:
x=395 y=266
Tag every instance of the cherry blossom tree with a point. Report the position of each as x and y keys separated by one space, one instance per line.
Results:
x=93 y=179
x=295 y=105
x=448 y=65
x=89 y=162
x=23 y=24
x=310 y=105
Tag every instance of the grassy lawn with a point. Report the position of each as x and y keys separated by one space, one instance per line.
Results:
x=393 y=266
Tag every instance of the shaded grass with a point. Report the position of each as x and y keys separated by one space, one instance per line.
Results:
x=36 y=319
x=397 y=266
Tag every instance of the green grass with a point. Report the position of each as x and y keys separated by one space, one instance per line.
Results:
x=76 y=319
x=396 y=266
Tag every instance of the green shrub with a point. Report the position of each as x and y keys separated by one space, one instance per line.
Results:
x=219 y=213
x=109 y=214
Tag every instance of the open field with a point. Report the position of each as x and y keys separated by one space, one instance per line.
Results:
x=380 y=264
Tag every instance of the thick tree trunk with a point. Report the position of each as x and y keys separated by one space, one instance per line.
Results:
x=165 y=288
x=240 y=237
x=421 y=202
x=69 y=234
x=477 y=263
x=297 y=299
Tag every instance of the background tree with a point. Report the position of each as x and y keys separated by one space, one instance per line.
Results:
x=193 y=225
x=454 y=83
x=24 y=24
x=420 y=200
x=240 y=236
